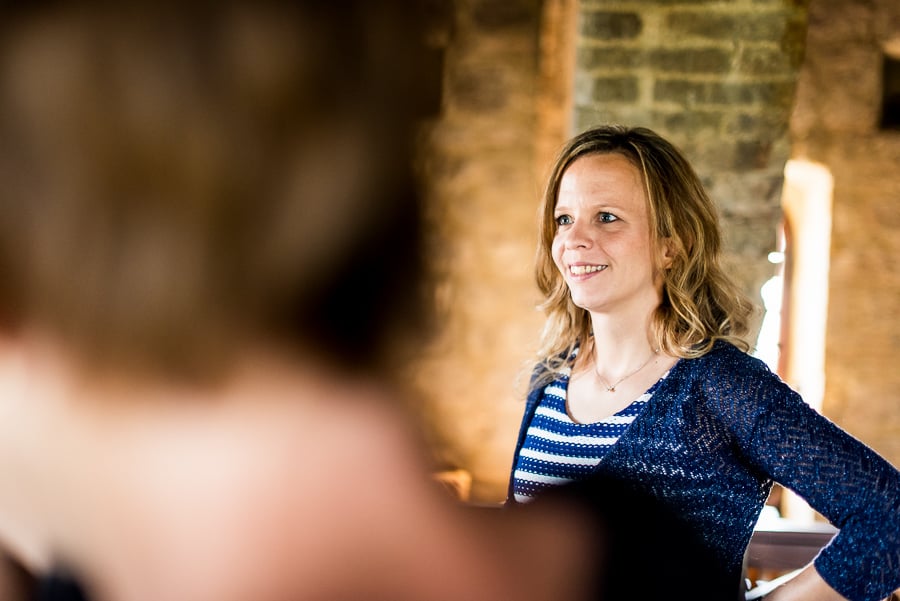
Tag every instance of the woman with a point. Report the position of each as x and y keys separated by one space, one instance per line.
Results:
x=210 y=256
x=643 y=374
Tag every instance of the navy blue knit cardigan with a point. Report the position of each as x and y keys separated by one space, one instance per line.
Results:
x=715 y=435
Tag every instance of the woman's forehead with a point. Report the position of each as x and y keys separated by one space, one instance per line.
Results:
x=601 y=178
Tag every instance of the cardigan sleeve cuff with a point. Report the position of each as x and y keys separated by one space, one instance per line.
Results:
x=842 y=568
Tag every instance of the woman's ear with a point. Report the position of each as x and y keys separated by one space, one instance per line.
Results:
x=668 y=250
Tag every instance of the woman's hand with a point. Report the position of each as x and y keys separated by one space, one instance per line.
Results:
x=806 y=586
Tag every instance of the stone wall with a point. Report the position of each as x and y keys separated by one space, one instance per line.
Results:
x=716 y=78
x=480 y=166
x=836 y=124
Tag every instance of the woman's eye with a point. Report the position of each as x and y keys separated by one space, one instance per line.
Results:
x=607 y=217
x=563 y=220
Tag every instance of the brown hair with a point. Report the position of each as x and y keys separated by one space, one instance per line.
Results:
x=180 y=178
x=700 y=304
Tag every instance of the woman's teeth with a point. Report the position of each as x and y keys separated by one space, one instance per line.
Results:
x=583 y=269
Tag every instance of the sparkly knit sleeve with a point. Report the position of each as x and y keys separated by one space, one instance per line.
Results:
x=852 y=486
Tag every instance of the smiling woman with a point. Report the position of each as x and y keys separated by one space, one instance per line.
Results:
x=643 y=374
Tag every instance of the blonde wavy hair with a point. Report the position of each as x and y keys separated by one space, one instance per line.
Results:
x=700 y=303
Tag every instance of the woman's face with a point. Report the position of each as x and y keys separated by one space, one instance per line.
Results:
x=602 y=245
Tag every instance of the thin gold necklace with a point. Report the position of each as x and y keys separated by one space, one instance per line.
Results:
x=612 y=388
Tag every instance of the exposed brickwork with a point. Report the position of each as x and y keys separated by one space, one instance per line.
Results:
x=741 y=22
x=481 y=168
x=718 y=78
x=609 y=89
x=611 y=25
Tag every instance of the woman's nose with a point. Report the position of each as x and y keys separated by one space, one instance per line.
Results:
x=577 y=236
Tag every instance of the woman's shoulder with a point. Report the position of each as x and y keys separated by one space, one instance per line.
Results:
x=725 y=360
x=732 y=384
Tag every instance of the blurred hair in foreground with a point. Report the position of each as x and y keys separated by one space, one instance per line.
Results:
x=182 y=178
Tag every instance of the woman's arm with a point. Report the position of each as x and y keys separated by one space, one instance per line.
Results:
x=852 y=486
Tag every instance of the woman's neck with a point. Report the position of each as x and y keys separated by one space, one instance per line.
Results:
x=619 y=343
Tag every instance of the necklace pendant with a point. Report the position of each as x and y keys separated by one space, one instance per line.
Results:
x=611 y=389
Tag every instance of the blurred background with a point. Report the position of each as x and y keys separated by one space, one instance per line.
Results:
x=788 y=109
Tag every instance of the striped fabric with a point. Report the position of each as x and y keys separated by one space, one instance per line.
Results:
x=557 y=449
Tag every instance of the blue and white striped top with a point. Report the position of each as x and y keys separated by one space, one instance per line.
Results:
x=557 y=449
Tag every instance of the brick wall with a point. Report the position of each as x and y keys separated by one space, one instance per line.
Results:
x=481 y=169
x=718 y=79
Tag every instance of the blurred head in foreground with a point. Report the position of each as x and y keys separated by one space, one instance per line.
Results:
x=181 y=180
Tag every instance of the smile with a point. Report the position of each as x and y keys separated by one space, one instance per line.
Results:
x=585 y=269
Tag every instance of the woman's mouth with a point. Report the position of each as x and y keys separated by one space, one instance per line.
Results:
x=585 y=269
